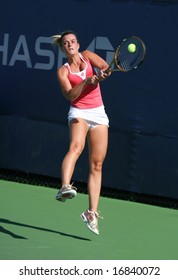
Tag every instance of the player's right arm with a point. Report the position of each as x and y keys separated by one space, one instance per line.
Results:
x=69 y=92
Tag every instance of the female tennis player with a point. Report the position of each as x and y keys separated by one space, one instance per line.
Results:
x=87 y=120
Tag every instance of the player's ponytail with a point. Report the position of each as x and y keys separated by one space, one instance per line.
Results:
x=57 y=40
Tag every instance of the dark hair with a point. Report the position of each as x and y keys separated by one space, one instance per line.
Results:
x=57 y=39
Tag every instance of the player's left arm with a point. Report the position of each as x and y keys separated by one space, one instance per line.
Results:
x=97 y=62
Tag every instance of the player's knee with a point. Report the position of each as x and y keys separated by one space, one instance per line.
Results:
x=96 y=166
x=76 y=148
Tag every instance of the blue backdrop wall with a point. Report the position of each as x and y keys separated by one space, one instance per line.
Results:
x=142 y=105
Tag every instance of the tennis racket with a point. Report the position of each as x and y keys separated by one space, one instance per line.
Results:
x=128 y=55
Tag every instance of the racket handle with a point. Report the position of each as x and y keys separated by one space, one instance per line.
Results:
x=108 y=70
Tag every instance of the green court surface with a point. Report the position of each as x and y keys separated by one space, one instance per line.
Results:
x=34 y=226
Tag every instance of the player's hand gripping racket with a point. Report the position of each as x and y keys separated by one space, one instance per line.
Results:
x=128 y=55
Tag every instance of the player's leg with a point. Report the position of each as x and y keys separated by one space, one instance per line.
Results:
x=78 y=132
x=98 y=142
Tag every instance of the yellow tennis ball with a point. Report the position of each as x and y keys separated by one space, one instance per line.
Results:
x=132 y=48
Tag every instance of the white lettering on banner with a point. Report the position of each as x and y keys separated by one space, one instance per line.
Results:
x=4 y=49
x=44 y=52
x=25 y=56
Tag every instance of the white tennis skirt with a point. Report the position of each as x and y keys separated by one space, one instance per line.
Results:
x=96 y=115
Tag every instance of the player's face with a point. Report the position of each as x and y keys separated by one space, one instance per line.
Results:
x=70 y=44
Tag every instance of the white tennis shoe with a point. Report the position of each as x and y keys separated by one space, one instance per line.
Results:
x=66 y=192
x=91 y=220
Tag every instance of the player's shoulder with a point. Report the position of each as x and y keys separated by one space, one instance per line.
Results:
x=87 y=54
x=62 y=70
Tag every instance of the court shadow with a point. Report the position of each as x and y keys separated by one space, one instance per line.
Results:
x=5 y=221
x=3 y=230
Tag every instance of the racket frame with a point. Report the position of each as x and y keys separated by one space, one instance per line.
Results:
x=115 y=61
